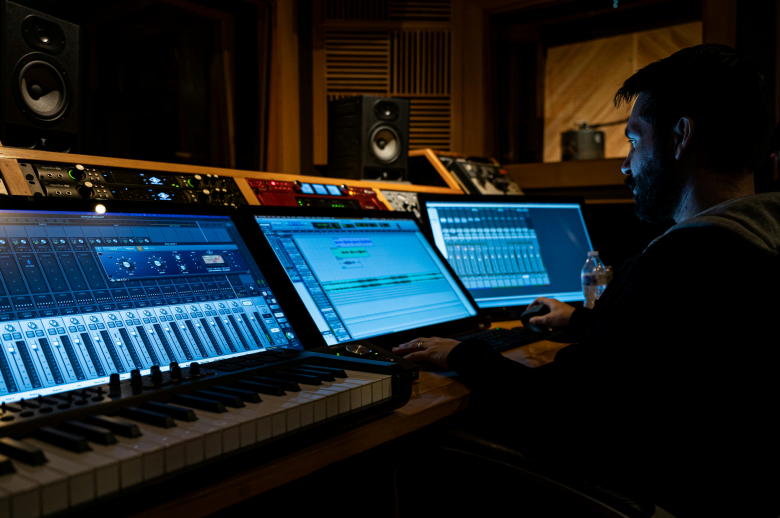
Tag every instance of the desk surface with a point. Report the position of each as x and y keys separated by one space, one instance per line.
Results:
x=434 y=396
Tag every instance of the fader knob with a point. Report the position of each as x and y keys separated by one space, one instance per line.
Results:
x=113 y=382
x=175 y=371
x=194 y=369
x=135 y=378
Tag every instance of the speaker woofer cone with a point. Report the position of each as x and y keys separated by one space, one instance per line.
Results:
x=385 y=144
x=42 y=90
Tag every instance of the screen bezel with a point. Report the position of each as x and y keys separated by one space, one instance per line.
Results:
x=499 y=312
x=291 y=304
x=263 y=248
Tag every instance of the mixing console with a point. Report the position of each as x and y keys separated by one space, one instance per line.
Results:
x=300 y=194
x=84 y=295
x=60 y=180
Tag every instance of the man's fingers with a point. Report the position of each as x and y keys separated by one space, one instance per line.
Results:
x=417 y=356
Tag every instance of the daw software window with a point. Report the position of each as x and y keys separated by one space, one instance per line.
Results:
x=84 y=295
x=507 y=254
x=365 y=277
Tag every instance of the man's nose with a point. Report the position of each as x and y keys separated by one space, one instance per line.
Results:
x=626 y=167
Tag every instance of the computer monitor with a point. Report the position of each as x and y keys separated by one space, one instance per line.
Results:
x=87 y=290
x=365 y=275
x=508 y=250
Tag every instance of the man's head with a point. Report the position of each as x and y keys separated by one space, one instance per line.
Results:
x=704 y=108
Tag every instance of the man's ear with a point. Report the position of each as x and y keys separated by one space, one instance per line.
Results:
x=682 y=137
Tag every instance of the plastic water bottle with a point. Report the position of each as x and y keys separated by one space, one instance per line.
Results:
x=594 y=279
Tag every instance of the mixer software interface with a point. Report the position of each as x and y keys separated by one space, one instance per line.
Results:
x=508 y=253
x=84 y=295
x=365 y=277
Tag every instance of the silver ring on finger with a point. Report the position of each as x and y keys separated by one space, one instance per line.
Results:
x=419 y=345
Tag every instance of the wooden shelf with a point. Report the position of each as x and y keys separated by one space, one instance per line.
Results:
x=576 y=173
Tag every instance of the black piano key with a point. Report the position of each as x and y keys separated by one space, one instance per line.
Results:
x=246 y=395
x=119 y=427
x=337 y=372
x=269 y=352
x=262 y=388
x=91 y=432
x=66 y=440
x=283 y=383
x=306 y=379
x=6 y=466
x=177 y=412
x=148 y=417
x=322 y=376
x=199 y=403
x=226 y=367
x=227 y=399
x=22 y=451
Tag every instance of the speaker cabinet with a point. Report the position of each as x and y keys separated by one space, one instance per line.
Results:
x=368 y=138
x=39 y=80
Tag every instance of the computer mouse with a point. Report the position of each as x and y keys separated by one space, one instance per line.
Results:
x=536 y=310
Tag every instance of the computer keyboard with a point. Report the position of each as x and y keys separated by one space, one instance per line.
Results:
x=505 y=339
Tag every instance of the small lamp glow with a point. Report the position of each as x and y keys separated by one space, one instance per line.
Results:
x=100 y=208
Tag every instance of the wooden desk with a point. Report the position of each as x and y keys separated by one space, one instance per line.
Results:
x=435 y=396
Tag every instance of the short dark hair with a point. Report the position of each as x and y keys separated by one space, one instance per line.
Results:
x=723 y=92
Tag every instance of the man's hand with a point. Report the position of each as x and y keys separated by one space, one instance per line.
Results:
x=559 y=315
x=434 y=350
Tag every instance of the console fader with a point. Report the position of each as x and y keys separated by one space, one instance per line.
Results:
x=60 y=180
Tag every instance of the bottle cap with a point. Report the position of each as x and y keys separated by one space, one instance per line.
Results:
x=593 y=253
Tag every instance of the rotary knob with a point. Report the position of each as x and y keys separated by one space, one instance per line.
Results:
x=53 y=323
x=179 y=310
x=147 y=313
x=74 y=321
x=195 y=181
x=357 y=350
x=86 y=191
x=93 y=318
x=112 y=316
x=204 y=196
x=77 y=173
x=9 y=327
x=31 y=325
x=129 y=315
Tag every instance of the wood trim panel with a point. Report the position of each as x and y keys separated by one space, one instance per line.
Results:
x=13 y=177
x=577 y=173
x=719 y=20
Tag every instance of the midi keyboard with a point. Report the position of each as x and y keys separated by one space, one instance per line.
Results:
x=118 y=447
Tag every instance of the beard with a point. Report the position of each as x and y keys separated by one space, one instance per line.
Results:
x=657 y=189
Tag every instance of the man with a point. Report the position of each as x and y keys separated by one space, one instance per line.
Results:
x=672 y=392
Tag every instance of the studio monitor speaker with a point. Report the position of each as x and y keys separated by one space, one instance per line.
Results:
x=368 y=138
x=39 y=80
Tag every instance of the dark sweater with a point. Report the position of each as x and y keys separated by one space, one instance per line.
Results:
x=673 y=392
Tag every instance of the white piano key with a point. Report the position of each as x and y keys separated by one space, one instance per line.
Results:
x=24 y=495
x=81 y=477
x=53 y=486
x=228 y=425
x=152 y=454
x=104 y=470
x=131 y=465
x=5 y=504
x=175 y=443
